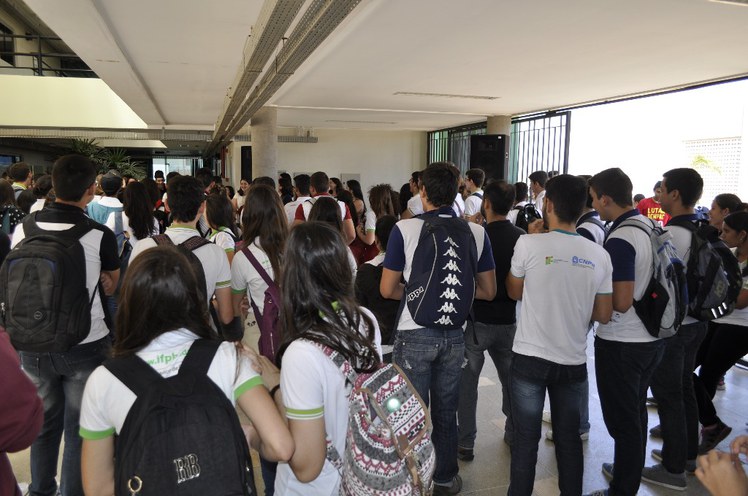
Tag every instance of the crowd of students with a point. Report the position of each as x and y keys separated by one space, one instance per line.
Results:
x=176 y=261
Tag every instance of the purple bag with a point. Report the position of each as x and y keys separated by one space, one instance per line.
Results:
x=268 y=320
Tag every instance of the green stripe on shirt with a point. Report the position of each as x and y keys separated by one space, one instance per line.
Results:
x=95 y=435
x=314 y=413
x=223 y=284
x=243 y=388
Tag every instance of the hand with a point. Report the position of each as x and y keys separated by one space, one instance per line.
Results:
x=245 y=306
x=107 y=284
x=739 y=445
x=722 y=474
x=535 y=227
x=268 y=371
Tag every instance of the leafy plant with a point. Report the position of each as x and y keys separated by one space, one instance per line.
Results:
x=107 y=159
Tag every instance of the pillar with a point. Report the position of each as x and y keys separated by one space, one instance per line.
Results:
x=502 y=124
x=264 y=133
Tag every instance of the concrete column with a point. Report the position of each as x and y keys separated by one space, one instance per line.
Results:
x=502 y=124
x=264 y=132
x=499 y=124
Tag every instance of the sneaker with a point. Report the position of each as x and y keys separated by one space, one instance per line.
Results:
x=584 y=436
x=454 y=487
x=658 y=475
x=465 y=454
x=690 y=464
x=721 y=384
x=608 y=470
x=711 y=436
x=651 y=401
x=599 y=492
x=547 y=416
x=656 y=431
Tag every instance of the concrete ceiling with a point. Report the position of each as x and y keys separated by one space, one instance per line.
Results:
x=173 y=61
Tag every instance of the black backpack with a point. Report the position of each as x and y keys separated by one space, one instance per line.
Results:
x=187 y=248
x=713 y=273
x=441 y=287
x=44 y=302
x=526 y=215
x=182 y=435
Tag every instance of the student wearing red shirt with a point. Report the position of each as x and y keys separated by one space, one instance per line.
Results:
x=650 y=207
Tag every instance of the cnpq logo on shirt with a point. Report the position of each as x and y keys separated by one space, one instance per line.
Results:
x=582 y=262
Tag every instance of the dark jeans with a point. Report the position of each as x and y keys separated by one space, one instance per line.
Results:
x=432 y=361
x=726 y=344
x=672 y=387
x=624 y=372
x=497 y=339
x=268 y=470
x=530 y=378
x=60 y=379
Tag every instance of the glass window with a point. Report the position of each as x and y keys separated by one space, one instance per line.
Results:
x=7 y=45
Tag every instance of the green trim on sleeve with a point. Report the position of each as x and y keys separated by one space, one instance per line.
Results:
x=604 y=294
x=95 y=435
x=238 y=291
x=314 y=413
x=229 y=250
x=246 y=386
x=223 y=284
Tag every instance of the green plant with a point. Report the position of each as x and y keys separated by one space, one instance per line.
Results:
x=108 y=158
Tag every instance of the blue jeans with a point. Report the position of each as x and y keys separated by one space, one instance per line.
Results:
x=672 y=387
x=432 y=361
x=60 y=379
x=497 y=339
x=624 y=372
x=530 y=378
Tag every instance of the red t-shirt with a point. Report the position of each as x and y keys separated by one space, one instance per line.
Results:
x=650 y=208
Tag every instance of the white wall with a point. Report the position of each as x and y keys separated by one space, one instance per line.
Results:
x=378 y=156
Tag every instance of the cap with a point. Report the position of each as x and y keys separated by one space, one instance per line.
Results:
x=111 y=183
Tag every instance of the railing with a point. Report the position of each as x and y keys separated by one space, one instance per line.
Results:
x=539 y=143
x=70 y=64
x=453 y=144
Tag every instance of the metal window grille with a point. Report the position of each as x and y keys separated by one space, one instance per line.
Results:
x=539 y=143
x=453 y=144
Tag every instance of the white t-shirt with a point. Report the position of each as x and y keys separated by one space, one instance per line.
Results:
x=313 y=388
x=473 y=203
x=290 y=207
x=415 y=205
x=539 y=202
x=370 y=221
x=511 y=216
x=213 y=258
x=111 y=201
x=38 y=205
x=107 y=401
x=562 y=272
x=224 y=239
x=246 y=280
x=627 y=327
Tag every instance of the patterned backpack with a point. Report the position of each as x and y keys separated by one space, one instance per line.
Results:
x=388 y=449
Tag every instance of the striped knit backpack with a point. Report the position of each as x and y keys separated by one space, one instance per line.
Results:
x=388 y=449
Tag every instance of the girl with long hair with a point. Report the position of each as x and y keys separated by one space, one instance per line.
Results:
x=138 y=220
x=336 y=186
x=327 y=210
x=220 y=216
x=318 y=306
x=727 y=341
x=358 y=196
x=162 y=314
x=240 y=198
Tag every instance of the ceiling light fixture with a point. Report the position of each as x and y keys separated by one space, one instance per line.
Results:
x=445 y=95
x=742 y=3
x=360 y=122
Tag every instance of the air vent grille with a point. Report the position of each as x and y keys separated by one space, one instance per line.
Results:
x=445 y=95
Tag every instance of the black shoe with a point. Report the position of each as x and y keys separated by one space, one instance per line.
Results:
x=453 y=488
x=712 y=436
x=656 y=431
x=465 y=454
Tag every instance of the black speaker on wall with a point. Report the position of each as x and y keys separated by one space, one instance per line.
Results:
x=247 y=163
x=490 y=152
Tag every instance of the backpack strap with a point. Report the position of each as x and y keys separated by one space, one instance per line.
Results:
x=200 y=356
x=135 y=373
x=72 y=235
x=162 y=239
x=194 y=243
x=258 y=266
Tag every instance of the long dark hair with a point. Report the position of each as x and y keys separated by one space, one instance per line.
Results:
x=355 y=188
x=159 y=295
x=327 y=210
x=139 y=209
x=347 y=198
x=380 y=199
x=738 y=221
x=264 y=218
x=220 y=212
x=7 y=195
x=317 y=301
x=729 y=201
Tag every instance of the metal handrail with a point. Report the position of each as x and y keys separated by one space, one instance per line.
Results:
x=40 y=55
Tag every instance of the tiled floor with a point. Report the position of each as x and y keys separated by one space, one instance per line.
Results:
x=488 y=474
